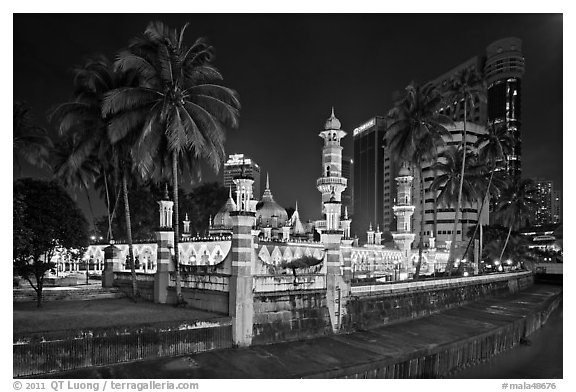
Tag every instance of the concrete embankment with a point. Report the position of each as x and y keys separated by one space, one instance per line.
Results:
x=430 y=347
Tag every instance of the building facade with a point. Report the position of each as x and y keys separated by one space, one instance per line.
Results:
x=543 y=211
x=374 y=172
x=238 y=164
x=348 y=194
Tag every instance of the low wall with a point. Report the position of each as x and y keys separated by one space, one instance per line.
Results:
x=207 y=300
x=145 y=284
x=378 y=305
x=292 y=315
x=109 y=346
x=68 y=293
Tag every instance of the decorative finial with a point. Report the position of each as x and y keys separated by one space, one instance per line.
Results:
x=345 y=212
x=186 y=217
x=378 y=228
x=267 y=181
x=210 y=221
x=230 y=191
x=370 y=227
x=166 y=197
x=333 y=112
x=296 y=209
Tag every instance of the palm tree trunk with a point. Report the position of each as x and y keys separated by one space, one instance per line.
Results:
x=176 y=226
x=479 y=224
x=505 y=243
x=459 y=203
x=108 y=207
x=129 y=234
x=421 y=237
x=91 y=210
x=480 y=245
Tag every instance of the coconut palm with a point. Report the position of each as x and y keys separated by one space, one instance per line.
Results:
x=415 y=133
x=493 y=146
x=515 y=204
x=466 y=87
x=449 y=184
x=82 y=119
x=30 y=142
x=182 y=103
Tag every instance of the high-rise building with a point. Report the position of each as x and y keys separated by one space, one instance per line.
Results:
x=348 y=194
x=374 y=173
x=543 y=211
x=556 y=206
x=238 y=164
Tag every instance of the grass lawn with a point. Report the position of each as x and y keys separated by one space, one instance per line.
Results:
x=75 y=315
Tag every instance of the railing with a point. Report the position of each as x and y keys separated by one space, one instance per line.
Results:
x=32 y=358
x=433 y=284
x=331 y=180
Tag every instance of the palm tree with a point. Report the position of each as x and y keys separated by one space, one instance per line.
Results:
x=515 y=204
x=493 y=146
x=83 y=119
x=450 y=183
x=29 y=141
x=182 y=103
x=466 y=86
x=415 y=133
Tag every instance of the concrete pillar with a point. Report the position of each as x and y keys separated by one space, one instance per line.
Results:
x=112 y=264
x=164 y=265
x=241 y=298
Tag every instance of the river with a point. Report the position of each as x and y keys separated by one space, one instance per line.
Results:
x=540 y=359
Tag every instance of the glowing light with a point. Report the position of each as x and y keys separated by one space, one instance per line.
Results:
x=500 y=268
x=509 y=262
x=497 y=262
x=465 y=273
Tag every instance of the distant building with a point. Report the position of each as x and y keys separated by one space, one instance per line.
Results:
x=238 y=164
x=543 y=211
x=556 y=206
x=374 y=173
x=348 y=194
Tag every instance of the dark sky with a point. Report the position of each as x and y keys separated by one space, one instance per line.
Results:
x=290 y=69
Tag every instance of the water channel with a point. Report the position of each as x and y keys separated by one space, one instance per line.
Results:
x=540 y=359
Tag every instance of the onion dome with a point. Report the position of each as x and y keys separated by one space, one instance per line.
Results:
x=332 y=123
x=268 y=212
x=404 y=171
x=222 y=218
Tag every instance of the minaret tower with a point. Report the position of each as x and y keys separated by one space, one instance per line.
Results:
x=331 y=180
x=403 y=211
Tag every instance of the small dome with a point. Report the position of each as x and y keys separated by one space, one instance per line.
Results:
x=267 y=208
x=332 y=122
x=404 y=171
x=222 y=218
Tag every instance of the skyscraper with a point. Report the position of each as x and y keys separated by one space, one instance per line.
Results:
x=374 y=172
x=543 y=211
x=556 y=206
x=238 y=164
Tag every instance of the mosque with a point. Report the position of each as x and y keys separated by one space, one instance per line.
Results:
x=281 y=239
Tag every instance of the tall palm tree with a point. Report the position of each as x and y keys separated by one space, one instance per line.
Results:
x=452 y=185
x=415 y=133
x=83 y=118
x=467 y=87
x=515 y=204
x=29 y=141
x=493 y=146
x=182 y=102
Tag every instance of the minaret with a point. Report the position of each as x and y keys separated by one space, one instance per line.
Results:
x=331 y=180
x=403 y=210
x=165 y=210
x=244 y=199
x=370 y=235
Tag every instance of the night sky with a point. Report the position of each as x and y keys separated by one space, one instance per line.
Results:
x=291 y=69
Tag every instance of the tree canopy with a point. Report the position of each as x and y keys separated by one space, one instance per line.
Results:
x=45 y=219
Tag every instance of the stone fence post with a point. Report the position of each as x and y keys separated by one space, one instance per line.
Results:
x=111 y=265
x=241 y=296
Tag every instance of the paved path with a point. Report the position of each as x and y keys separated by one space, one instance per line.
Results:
x=326 y=357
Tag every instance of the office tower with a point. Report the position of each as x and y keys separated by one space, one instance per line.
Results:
x=374 y=172
x=542 y=212
x=238 y=164
x=503 y=72
x=556 y=206
x=348 y=194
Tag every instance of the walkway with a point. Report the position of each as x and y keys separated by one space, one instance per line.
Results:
x=337 y=355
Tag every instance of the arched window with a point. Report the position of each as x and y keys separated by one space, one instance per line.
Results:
x=327 y=171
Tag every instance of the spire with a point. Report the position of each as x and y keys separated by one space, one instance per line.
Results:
x=378 y=228
x=345 y=212
x=332 y=112
x=230 y=191
x=370 y=228
x=186 y=217
x=166 y=197
x=296 y=209
x=267 y=181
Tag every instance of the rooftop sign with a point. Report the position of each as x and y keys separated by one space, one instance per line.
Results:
x=364 y=127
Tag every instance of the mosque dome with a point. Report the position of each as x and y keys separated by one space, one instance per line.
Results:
x=222 y=218
x=267 y=208
x=332 y=122
x=404 y=171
